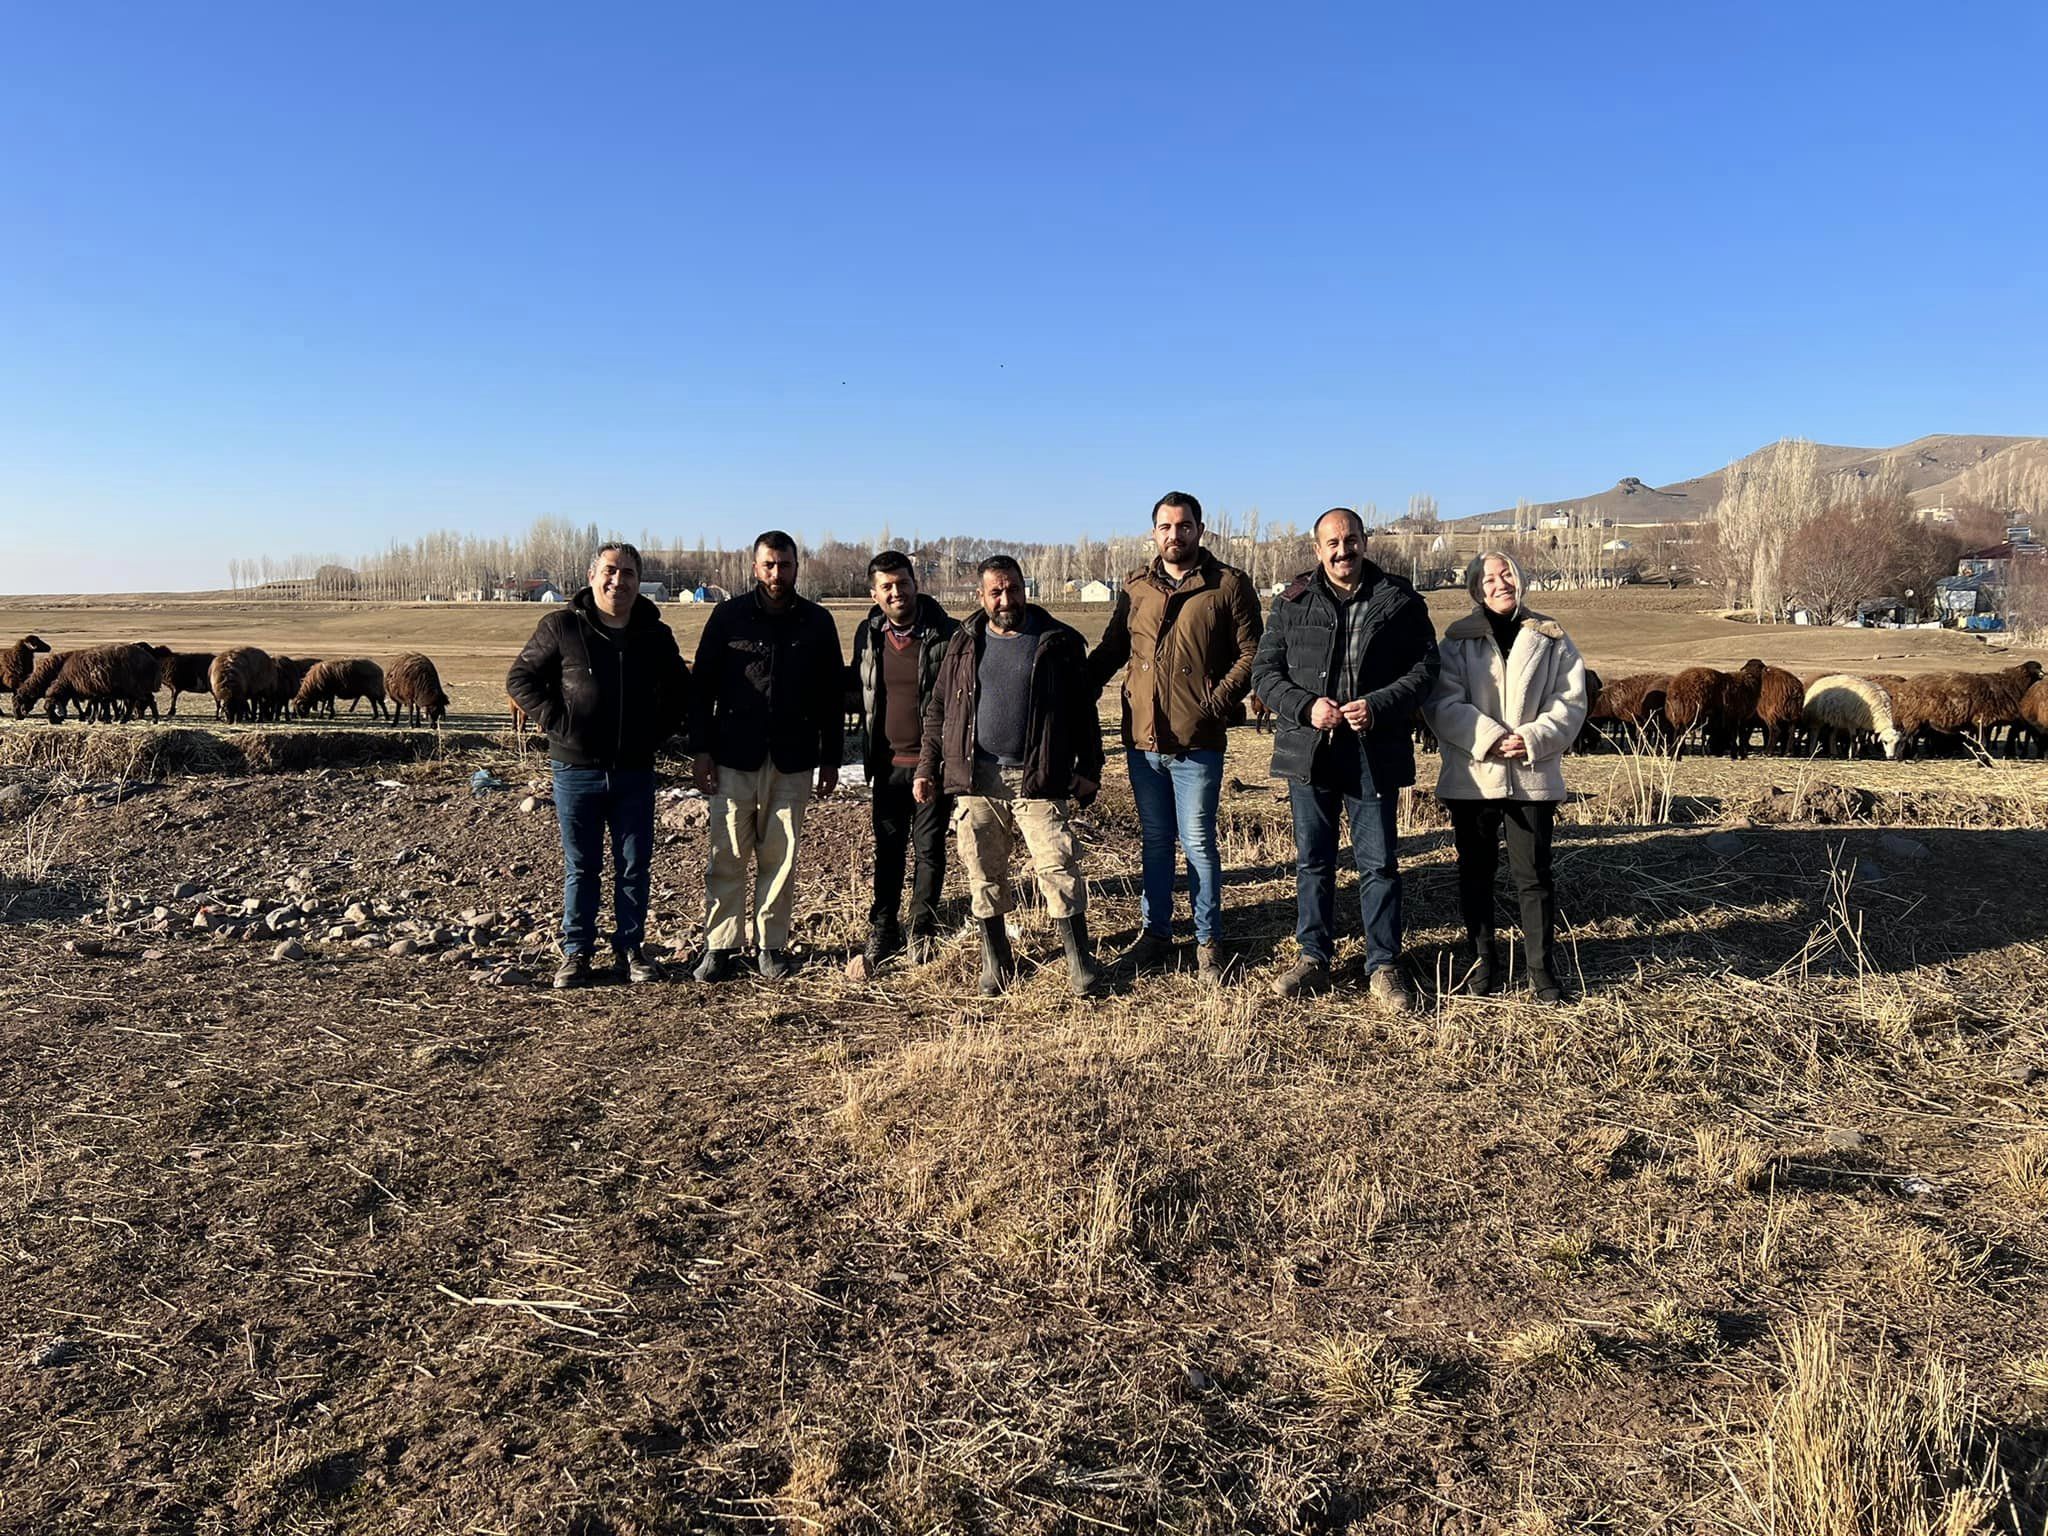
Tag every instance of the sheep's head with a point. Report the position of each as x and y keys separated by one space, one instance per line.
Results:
x=1893 y=742
x=2032 y=669
x=34 y=643
x=1753 y=668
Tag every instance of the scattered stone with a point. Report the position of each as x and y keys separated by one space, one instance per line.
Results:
x=1839 y=1138
x=356 y=913
x=160 y=914
x=252 y=904
x=13 y=796
x=1917 y=1188
x=857 y=968
x=404 y=949
x=88 y=948
x=207 y=918
x=1725 y=845
x=1902 y=847
x=511 y=976
x=404 y=856
x=686 y=815
x=481 y=935
x=152 y=955
x=278 y=919
x=186 y=890
x=527 y=806
x=290 y=949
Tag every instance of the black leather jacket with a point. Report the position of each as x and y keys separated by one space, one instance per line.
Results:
x=607 y=698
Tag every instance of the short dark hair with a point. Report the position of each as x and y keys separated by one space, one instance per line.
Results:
x=1180 y=499
x=1007 y=564
x=776 y=540
x=1316 y=532
x=621 y=547
x=890 y=560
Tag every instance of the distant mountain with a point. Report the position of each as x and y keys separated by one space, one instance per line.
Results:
x=1930 y=468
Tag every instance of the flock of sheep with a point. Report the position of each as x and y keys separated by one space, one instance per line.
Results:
x=121 y=682
x=1835 y=715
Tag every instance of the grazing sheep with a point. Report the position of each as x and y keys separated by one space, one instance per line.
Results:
x=1588 y=732
x=415 y=686
x=1779 y=699
x=1634 y=705
x=291 y=676
x=183 y=672
x=242 y=679
x=33 y=687
x=19 y=660
x=1689 y=701
x=1731 y=711
x=1952 y=703
x=2034 y=717
x=352 y=680
x=112 y=682
x=1842 y=711
x=1994 y=699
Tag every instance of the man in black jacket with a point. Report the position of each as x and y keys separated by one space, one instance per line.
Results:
x=766 y=712
x=602 y=676
x=1347 y=658
x=895 y=662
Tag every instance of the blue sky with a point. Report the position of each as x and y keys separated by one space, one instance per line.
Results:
x=290 y=277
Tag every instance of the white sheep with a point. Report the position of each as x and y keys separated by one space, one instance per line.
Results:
x=1843 y=710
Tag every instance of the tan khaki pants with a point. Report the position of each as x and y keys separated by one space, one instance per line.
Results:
x=755 y=819
x=986 y=826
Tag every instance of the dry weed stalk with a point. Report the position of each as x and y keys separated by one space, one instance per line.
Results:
x=2022 y=1170
x=1893 y=1451
x=1362 y=1374
x=1553 y=1349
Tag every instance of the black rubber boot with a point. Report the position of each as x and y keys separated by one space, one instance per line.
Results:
x=1485 y=976
x=1082 y=977
x=997 y=964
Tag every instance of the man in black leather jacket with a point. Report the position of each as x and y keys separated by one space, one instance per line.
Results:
x=603 y=677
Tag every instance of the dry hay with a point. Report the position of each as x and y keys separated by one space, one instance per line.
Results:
x=150 y=754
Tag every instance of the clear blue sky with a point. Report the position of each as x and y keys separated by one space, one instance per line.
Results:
x=279 y=277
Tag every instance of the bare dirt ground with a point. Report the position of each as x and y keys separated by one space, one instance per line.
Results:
x=386 y=1238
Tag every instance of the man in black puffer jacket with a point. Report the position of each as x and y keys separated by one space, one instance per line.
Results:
x=604 y=679
x=1347 y=658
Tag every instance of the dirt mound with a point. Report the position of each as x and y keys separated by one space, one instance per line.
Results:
x=1831 y=805
x=150 y=753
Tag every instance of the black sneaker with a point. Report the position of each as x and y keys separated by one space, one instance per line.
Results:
x=776 y=964
x=574 y=971
x=633 y=965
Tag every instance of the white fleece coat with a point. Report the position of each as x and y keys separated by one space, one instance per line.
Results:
x=1538 y=689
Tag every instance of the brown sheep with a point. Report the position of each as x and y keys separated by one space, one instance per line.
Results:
x=291 y=676
x=352 y=680
x=1951 y=703
x=1731 y=712
x=1634 y=703
x=1588 y=732
x=1780 y=698
x=183 y=672
x=2034 y=717
x=1994 y=699
x=1689 y=701
x=241 y=679
x=110 y=681
x=18 y=660
x=416 y=687
x=37 y=684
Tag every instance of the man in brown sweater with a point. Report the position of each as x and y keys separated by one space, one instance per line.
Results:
x=1188 y=626
x=896 y=654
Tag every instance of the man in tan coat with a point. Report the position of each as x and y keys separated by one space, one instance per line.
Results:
x=1188 y=627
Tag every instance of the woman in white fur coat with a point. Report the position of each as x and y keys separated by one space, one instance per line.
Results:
x=1506 y=708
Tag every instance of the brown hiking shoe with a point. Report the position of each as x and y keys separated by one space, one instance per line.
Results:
x=1390 y=989
x=1210 y=965
x=1304 y=978
x=1152 y=952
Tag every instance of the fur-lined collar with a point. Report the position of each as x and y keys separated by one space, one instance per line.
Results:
x=1473 y=626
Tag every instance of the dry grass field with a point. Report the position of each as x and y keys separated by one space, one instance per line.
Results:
x=1752 y=1239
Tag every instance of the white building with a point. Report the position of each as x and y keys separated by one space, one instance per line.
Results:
x=1095 y=592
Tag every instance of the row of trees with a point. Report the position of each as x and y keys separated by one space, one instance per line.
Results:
x=1789 y=536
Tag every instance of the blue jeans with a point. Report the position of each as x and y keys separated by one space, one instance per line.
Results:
x=1316 y=812
x=1178 y=796
x=588 y=803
